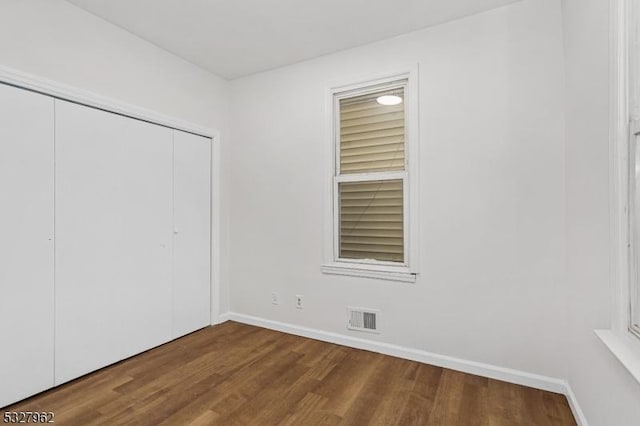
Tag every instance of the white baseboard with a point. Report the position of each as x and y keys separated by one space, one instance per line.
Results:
x=223 y=318
x=575 y=407
x=472 y=367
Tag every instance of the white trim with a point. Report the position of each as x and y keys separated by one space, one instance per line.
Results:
x=215 y=227
x=618 y=166
x=445 y=361
x=578 y=414
x=57 y=90
x=628 y=288
x=623 y=348
x=222 y=318
x=412 y=153
x=61 y=91
x=407 y=77
x=536 y=381
x=369 y=177
x=628 y=29
x=379 y=84
x=360 y=271
x=371 y=264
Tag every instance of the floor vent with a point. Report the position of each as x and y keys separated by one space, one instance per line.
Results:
x=363 y=319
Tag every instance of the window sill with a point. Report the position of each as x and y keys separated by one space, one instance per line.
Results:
x=624 y=348
x=336 y=269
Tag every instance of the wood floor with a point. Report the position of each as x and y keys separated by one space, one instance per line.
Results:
x=235 y=374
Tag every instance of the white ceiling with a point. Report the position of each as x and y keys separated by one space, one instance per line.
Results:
x=234 y=38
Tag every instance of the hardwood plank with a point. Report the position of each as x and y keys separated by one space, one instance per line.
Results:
x=235 y=374
x=206 y=418
x=448 y=399
x=426 y=380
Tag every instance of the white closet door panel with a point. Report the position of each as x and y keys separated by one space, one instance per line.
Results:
x=114 y=228
x=192 y=236
x=26 y=243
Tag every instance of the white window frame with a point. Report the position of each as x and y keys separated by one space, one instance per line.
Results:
x=622 y=339
x=633 y=131
x=386 y=270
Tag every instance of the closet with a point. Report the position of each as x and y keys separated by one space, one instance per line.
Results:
x=105 y=248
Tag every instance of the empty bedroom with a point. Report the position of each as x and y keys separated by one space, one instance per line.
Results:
x=298 y=212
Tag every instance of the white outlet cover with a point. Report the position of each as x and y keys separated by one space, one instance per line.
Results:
x=274 y=298
x=299 y=301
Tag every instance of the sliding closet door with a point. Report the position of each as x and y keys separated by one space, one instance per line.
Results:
x=114 y=227
x=26 y=243
x=192 y=242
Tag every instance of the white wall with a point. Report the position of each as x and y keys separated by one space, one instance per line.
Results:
x=492 y=232
x=58 y=41
x=514 y=237
x=606 y=391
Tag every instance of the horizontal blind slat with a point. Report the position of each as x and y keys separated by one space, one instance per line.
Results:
x=383 y=117
x=387 y=202
x=371 y=226
x=372 y=127
x=377 y=233
x=371 y=248
x=375 y=241
x=363 y=207
x=391 y=155
x=374 y=166
x=375 y=186
x=354 y=218
x=391 y=187
x=346 y=152
x=369 y=137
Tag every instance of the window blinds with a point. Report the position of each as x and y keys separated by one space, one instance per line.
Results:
x=371 y=220
x=371 y=135
x=371 y=213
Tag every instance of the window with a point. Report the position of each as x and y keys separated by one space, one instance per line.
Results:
x=623 y=337
x=372 y=202
x=633 y=98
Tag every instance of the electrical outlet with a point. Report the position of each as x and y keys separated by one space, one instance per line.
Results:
x=274 y=298
x=299 y=301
